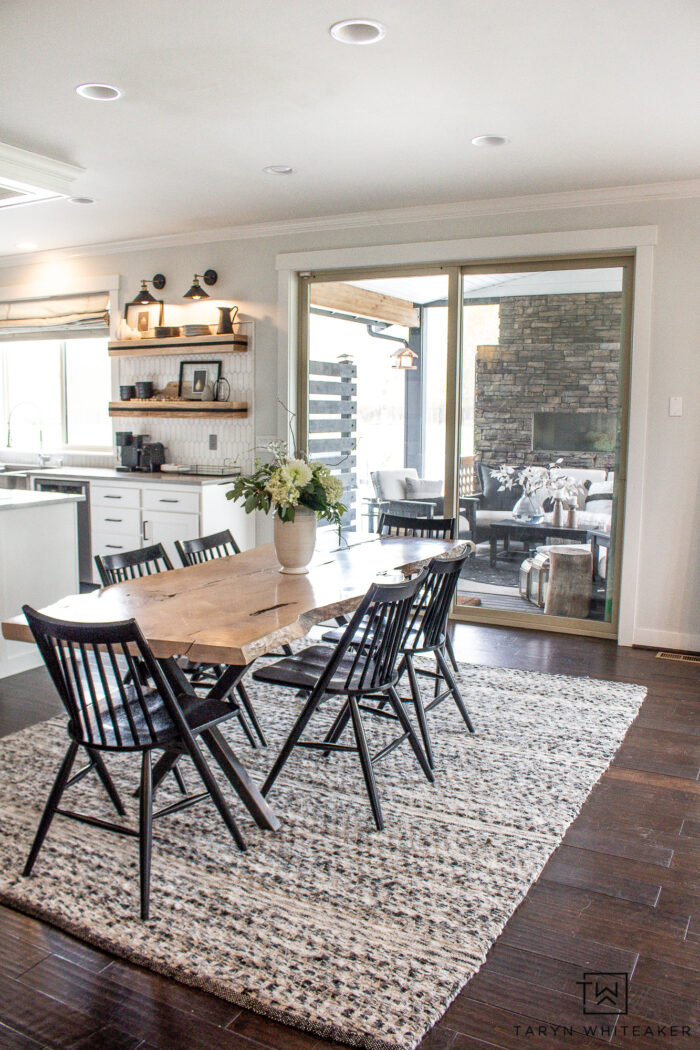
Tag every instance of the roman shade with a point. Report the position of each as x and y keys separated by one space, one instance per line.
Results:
x=65 y=316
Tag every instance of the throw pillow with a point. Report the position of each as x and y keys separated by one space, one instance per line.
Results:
x=599 y=497
x=491 y=498
x=421 y=488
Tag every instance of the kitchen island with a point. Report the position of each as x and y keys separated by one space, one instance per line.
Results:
x=38 y=561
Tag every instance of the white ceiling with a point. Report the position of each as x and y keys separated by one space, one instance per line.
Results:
x=591 y=93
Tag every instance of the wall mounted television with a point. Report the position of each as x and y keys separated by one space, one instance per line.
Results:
x=574 y=431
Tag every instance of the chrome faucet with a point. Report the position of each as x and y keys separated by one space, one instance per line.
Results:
x=38 y=420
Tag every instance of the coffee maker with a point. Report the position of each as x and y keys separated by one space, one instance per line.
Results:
x=125 y=442
x=152 y=457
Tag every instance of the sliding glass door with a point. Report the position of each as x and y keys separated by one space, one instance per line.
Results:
x=496 y=394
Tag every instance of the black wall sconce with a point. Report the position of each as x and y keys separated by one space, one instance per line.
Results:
x=144 y=298
x=209 y=277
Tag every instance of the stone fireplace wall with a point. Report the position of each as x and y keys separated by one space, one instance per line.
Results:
x=558 y=353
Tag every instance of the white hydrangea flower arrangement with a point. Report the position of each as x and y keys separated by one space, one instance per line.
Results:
x=287 y=482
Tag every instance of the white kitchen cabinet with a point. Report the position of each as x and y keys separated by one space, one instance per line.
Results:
x=162 y=526
x=127 y=515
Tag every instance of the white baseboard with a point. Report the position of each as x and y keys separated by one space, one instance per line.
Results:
x=25 y=662
x=666 y=639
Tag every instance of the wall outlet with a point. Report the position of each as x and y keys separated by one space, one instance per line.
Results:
x=213 y=442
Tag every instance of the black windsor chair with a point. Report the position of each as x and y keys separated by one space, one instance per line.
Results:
x=363 y=664
x=424 y=528
x=111 y=710
x=196 y=552
x=426 y=634
x=147 y=561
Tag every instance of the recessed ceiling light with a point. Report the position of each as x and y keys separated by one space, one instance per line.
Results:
x=358 y=31
x=27 y=246
x=489 y=140
x=278 y=169
x=98 y=92
x=80 y=200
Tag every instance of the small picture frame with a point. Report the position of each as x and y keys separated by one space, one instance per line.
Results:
x=144 y=317
x=198 y=380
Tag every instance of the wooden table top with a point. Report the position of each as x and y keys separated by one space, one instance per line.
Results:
x=232 y=610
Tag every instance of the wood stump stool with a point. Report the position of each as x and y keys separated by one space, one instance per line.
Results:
x=569 y=590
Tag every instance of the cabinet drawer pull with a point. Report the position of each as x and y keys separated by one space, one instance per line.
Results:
x=168 y=500
x=108 y=496
x=114 y=519
x=114 y=546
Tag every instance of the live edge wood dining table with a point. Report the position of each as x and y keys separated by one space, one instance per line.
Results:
x=230 y=611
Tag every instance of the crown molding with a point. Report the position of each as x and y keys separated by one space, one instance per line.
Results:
x=36 y=171
x=655 y=191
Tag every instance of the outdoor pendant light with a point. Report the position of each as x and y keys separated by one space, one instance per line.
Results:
x=196 y=291
x=144 y=298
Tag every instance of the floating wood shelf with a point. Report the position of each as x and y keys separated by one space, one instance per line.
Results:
x=201 y=344
x=180 y=409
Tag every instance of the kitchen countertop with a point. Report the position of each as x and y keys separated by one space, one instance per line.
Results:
x=15 y=499
x=110 y=474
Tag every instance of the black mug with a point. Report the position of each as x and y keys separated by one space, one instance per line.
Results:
x=144 y=390
x=127 y=392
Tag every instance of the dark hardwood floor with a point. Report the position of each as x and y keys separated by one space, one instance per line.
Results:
x=621 y=895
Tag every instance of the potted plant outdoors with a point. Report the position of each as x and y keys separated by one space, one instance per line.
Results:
x=299 y=492
x=537 y=483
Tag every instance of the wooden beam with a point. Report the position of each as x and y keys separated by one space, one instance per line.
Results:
x=348 y=299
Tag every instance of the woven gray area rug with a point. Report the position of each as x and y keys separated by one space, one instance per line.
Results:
x=328 y=925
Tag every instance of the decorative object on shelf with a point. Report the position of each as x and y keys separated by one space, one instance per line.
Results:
x=227 y=315
x=298 y=492
x=196 y=292
x=143 y=318
x=144 y=389
x=221 y=384
x=195 y=330
x=167 y=332
x=144 y=298
x=537 y=483
x=198 y=380
x=127 y=392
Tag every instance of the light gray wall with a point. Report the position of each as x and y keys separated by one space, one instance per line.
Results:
x=669 y=581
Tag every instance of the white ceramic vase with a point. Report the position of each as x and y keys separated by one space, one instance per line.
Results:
x=295 y=541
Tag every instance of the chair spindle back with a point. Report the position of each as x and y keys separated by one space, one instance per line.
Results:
x=94 y=669
x=427 y=623
x=129 y=565
x=375 y=633
x=421 y=528
x=206 y=548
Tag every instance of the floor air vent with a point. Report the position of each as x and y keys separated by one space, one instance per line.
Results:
x=684 y=658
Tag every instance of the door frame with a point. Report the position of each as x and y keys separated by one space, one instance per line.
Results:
x=637 y=241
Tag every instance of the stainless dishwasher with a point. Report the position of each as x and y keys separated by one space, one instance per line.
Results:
x=74 y=488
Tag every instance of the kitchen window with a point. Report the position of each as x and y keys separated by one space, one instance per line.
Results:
x=54 y=394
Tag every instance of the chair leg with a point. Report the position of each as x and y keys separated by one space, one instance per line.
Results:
x=213 y=788
x=451 y=652
x=454 y=689
x=103 y=774
x=338 y=728
x=54 y=798
x=420 y=711
x=145 y=831
x=366 y=763
x=289 y=744
x=243 y=722
x=179 y=779
x=410 y=732
x=250 y=711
